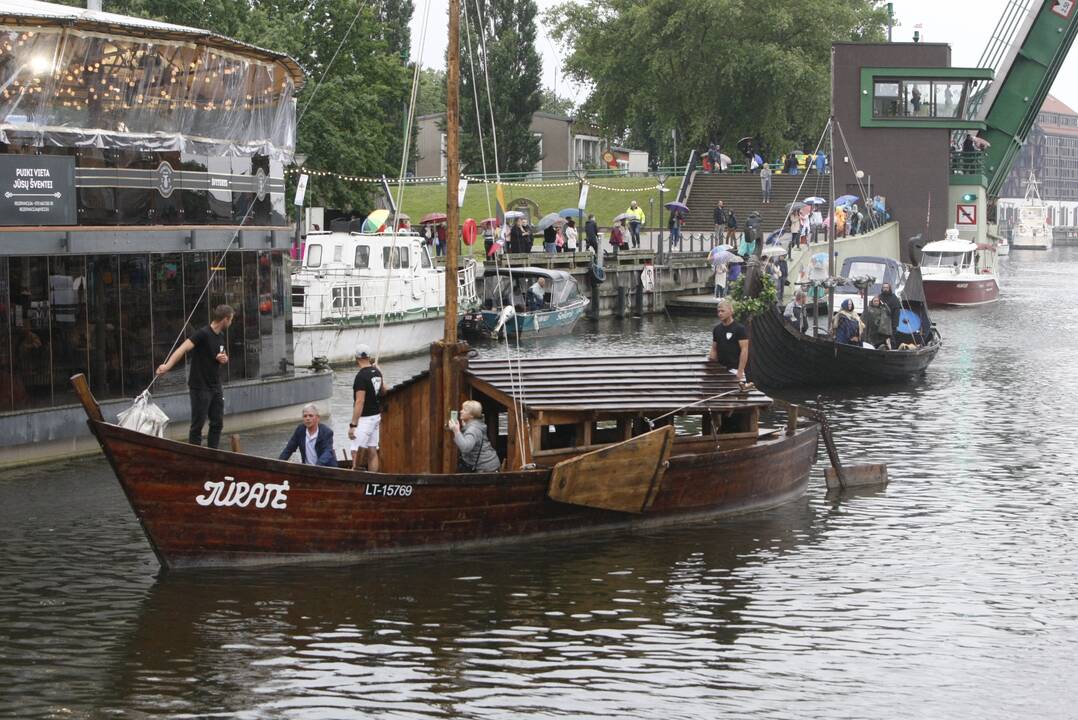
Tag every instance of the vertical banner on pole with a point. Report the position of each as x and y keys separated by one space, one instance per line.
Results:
x=301 y=190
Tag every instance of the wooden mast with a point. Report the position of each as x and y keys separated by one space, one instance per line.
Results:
x=447 y=358
x=452 y=171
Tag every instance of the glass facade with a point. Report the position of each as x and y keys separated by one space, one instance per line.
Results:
x=116 y=318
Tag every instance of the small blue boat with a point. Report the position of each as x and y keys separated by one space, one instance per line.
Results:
x=544 y=302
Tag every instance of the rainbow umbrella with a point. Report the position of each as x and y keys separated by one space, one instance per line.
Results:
x=376 y=221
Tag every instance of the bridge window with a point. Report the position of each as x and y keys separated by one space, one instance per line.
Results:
x=363 y=257
x=919 y=98
x=314 y=255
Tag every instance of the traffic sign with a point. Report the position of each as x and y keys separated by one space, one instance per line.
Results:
x=965 y=215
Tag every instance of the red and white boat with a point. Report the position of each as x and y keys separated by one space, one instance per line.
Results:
x=959 y=272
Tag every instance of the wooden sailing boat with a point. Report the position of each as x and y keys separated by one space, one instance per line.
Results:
x=782 y=356
x=589 y=444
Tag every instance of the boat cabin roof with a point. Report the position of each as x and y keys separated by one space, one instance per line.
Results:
x=949 y=246
x=613 y=385
x=382 y=238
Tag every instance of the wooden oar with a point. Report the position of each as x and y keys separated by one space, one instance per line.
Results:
x=839 y=476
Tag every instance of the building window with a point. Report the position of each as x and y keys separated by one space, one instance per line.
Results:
x=918 y=98
x=363 y=257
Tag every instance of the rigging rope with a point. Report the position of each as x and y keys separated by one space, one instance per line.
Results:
x=394 y=258
x=516 y=376
x=336 y=52
x=250 y=207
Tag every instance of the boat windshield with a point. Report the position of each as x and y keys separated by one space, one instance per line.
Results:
x=564 y=292
x=944 y=259
x=861 y=269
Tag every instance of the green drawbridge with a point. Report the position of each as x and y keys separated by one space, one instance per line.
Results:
x=1026 y=51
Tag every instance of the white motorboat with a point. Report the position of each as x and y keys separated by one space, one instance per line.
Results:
x=959 y=272
x=348 y=280
x=1032 y=231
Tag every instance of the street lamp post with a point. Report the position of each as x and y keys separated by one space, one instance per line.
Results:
x=659 y=255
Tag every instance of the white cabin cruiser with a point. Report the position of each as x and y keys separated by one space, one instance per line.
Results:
x=1032 y=231
x=347 y=280
x=959 y=272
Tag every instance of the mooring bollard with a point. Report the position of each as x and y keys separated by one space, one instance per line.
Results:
x=619 y=305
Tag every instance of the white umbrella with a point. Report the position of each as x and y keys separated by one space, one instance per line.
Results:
x=774 y=251
x=814 y=200
x=550 y=219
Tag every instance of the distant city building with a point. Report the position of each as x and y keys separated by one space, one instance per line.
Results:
x=564 y=145
x=1051 y=152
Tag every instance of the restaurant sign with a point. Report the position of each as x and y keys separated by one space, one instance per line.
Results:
x=37 y=190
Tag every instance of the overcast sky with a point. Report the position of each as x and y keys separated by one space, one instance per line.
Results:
x=965 y=25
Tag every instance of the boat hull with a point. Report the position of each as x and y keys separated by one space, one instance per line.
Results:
x=538 y=324
x=337 y=343
x=781 y=357
x=978 y=290
x=197 y=509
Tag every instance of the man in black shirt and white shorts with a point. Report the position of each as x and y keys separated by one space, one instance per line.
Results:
x=367 y=391
x=207 y=349
x=729 y=341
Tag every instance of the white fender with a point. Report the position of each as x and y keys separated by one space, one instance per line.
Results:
x=647 y=278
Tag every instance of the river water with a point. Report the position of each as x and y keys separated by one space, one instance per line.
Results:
x=950 y=594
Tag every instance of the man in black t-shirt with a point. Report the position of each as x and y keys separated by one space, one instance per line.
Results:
x=729 y=341
x=207 y=349
x=363 y=428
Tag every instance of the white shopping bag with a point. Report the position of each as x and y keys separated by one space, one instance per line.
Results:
x=144 y=416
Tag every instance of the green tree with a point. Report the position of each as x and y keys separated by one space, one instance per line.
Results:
x=556 y=105
x=352 y=119
x=431 y=97
x=514 y=69
x=714 y=70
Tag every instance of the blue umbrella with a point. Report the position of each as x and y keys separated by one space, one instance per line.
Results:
x=846 y=200
x=675 y=205
x=571 y=212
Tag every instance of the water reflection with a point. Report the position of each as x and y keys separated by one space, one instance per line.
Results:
x=575 y=624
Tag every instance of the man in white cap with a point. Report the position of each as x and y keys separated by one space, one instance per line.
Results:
x=367 y=391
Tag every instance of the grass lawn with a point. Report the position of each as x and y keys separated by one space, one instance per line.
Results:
x=550 y=197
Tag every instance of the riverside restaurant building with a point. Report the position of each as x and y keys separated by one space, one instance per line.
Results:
x=132 y=155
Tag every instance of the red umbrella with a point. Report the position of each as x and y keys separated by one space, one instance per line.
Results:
x=434 y=217
x=489 y=221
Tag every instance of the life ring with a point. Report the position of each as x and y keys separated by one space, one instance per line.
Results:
x=597 y=273
x=647 y=278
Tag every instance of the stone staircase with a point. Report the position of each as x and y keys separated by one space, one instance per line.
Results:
x=741 y=193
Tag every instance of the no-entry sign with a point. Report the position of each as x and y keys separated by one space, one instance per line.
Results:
x=965 y=215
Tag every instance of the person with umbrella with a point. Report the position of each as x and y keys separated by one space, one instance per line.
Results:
x=550 y=235
x=674 y=224
x=635 y=221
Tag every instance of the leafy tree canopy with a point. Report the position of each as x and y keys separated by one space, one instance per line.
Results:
x=354 y=123
x=514 y=69
x=714 y=70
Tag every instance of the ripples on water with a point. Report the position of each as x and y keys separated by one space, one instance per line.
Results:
x=951 y=594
